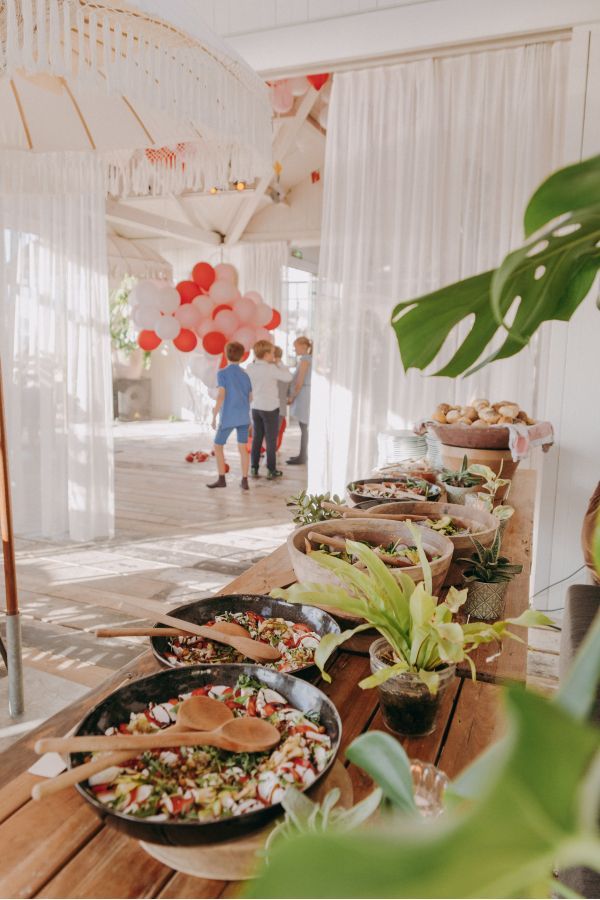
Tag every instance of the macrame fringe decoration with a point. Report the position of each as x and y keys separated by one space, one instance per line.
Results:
x=116 y=49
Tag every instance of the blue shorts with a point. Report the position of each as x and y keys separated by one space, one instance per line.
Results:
x=223 y=434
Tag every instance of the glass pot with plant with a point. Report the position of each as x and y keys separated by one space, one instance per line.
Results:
x=414 y=660
x=494 y=488
x=461 y=482
x=487 y=575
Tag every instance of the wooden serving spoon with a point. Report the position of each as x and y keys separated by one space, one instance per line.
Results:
x=199 y=713
x=243 y=735
x=225 y=627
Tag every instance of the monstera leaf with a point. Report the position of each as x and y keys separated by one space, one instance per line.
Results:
x=548 y=278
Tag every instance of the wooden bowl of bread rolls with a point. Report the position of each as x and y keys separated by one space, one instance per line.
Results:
x=479 y=425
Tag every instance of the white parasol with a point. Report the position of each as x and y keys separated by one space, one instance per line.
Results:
x=144 y=85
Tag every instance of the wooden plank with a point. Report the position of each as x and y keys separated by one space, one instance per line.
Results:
x=110 y=865
x=426 y=748
x=16 y=793
x=354 y=705
x=477 y=722
x=41 y=838
x=188 y=887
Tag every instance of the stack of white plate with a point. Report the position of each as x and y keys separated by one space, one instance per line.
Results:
x=399 y=446
x=434 y=450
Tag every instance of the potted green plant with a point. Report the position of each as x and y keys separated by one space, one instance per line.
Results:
x=491 y=489
x=487 y=575
x=414 y=660
x=462 y=482
x=308 y=508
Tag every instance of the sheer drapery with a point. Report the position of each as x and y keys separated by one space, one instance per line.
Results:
x=54 y=344
x=428 y=168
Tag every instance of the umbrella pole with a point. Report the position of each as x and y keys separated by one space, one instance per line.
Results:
x=13 y=621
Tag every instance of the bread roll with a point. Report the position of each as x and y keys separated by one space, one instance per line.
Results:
x=480 y=403
x=464 y=420
x=443 y=408
x=452 y=416
x=489 y=415
x=470 y=412
x=439 y=417
x=509 y=410
x=479 y=423
x=506 y=420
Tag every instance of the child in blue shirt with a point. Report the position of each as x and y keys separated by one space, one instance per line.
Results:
x=233 y=402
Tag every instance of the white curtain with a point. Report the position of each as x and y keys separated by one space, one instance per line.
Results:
x=428 y=168
x=54 y=344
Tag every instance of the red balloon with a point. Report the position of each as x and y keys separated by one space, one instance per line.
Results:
x=204 y=275
x=148 y=340
x=187 y=290
x=219 y=308
x=186 y=340
x=318 y=81
x=275 y=321
x=214 y=342
x=224 y=362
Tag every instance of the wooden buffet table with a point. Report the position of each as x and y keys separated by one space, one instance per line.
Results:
x=59 y=848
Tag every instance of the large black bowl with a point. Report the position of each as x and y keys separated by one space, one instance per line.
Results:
x=434 y=491
x=134 y=697
x=201 y=611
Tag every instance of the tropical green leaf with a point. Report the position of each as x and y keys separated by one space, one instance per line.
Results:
x=568 y=189
x=383 y=675
x=330 y=642
x=546 y=279
x=386 y=761
x=525 y=819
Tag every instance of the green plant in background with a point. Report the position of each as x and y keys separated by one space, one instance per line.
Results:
x=421 y=632
x=304 y=816
x=487 y=565
x=123 y=334
x=492 y=482
x=527 y=806
x=551 y=274
x=465 y=477
x=308 y=508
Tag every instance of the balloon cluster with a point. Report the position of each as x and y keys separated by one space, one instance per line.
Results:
x=208 y=310
x=284 y=91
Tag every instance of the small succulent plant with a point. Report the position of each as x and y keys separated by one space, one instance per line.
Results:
x=465 y=477
x=486 y=565
x=308 y=508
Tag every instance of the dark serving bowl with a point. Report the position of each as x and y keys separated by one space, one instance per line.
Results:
x=434 y=491
x=201 y=611
x=134 y=697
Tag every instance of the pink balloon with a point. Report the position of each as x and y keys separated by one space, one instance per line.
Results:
x=226 y=272
x=245 y=309
x=167 y=327
x=263 y=314
x=188 y=316
x=254 y=296
x=204 y=304
x=261 y=334
x=245 y=336
x=146 y=294
x=169 y=299
x=226 y=322
x=298 y=85
x=282 y=98
x=223 y=292
x=204 y=327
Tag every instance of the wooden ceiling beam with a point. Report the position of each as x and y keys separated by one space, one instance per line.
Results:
x=119 y=213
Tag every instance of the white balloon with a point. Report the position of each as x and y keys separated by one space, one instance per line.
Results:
x=144 y=317
x=169 y=299
x=245 y=309
x=223 y=292
x=254 y=296
x=147 y=294
x=226 y=272
x=263 y=314
x=188 y=316
x=204 y=327
x=226 y=322
x=204 y=304
x=167 y=327
x=246 y=336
